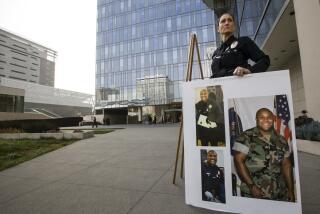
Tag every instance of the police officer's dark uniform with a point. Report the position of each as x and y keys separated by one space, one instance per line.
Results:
x=236 y=52
x=212 y=182
x=214 y=114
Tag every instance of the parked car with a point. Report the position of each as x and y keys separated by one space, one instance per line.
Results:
x=86 y=123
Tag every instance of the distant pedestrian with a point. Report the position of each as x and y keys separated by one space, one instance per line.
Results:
x=94 y=122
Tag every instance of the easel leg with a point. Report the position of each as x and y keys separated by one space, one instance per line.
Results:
x=193 y=42
x=177 y=154
x=182 y=162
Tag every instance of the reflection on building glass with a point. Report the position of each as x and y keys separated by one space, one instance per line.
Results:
x=11 y=103
x=142 y=49
x=258 y=17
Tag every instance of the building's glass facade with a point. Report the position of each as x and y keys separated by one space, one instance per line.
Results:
x=11 y=103
x=257 y=17
x=139 y=41
x=142 y=48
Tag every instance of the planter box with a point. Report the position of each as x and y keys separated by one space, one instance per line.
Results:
x=311 y=147
x=78 y=135
x=58 y=136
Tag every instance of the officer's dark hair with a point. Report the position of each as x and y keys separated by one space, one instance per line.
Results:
x=261 y=110
x=223 y=13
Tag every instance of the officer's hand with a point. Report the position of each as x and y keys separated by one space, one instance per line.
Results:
x=256 y=192
x=291 y=197
x=240 y=71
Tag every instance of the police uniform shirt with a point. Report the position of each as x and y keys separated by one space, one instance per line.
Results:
x=212 y=177
x=209 y=109
x=236 y=52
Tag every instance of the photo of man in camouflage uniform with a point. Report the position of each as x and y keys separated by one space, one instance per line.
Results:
x=262 y=161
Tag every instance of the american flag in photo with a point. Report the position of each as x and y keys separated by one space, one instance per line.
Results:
x=282 y=117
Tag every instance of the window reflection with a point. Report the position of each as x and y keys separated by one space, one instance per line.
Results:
x=252 y=13
x=142 y=47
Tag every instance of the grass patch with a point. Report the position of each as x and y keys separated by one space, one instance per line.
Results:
x=13 y=152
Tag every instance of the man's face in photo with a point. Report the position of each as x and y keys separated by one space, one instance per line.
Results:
x=212 y=158
x=265 y=120
x=204 y=95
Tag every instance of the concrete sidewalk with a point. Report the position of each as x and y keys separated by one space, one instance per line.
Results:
x=127 y=171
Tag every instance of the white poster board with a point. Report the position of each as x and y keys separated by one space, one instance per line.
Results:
x=238 y=98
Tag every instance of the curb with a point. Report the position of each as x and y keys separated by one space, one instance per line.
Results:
x=311 y=147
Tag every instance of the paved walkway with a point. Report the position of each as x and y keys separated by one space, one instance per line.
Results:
x=126 y=171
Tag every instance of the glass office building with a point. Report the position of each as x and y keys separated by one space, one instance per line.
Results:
x=257 y=17
x=142 y=48
x=254 y=18
x=142 y=52
x=11 y=103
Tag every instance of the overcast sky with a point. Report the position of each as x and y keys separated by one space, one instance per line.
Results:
x=66 y=26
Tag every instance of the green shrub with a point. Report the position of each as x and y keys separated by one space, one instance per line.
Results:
x=40 y=125
x=310 y=131
x=11 y=130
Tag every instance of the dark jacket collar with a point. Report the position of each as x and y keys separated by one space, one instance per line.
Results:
x=229 y=41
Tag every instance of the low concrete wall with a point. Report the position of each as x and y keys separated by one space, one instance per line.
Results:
x=311 y=147
x=58 y=136
x=20 y=116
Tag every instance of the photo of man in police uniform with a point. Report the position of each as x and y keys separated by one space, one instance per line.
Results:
x=262 y=161
x=210 y=130
x=212 y=177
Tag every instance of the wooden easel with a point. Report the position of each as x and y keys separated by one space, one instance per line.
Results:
x=193 y=43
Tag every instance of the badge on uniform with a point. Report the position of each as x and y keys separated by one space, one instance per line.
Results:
x=234 y=44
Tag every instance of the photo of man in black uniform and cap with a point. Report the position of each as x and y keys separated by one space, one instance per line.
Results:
x=209 y=119
x=231 y=58
x=212 y=177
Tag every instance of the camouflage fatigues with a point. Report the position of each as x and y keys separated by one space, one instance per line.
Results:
x=264 y=162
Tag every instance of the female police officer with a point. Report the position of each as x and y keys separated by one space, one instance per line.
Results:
x=231 y=58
